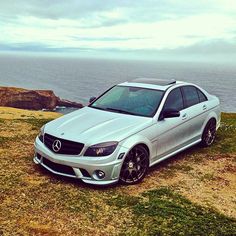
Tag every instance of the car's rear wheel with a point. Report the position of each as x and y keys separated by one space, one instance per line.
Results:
x=209 y=133
x=135 y=165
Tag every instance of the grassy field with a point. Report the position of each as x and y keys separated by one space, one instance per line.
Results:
x=192 y=193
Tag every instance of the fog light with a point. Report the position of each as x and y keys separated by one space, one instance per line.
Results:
x=100 y=174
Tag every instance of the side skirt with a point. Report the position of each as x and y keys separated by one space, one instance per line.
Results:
x=175 y=152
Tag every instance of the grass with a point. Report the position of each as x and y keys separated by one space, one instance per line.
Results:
x=192 y=193
x=36 y=123
x=226 y=135
x=164 y=212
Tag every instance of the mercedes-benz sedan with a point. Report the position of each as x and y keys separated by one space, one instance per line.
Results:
x=129 y=128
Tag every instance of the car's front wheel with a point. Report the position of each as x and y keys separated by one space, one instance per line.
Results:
x=209 y=133
x=135 y=165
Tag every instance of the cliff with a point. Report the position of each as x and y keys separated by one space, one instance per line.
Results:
x=32 y=99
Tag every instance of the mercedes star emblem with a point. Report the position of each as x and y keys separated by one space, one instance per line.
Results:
x=56 y=146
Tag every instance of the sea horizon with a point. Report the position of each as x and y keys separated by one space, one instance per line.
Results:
x=79 y=78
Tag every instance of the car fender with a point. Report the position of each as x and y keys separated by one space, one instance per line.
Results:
x=211 y=115
x=134 y=140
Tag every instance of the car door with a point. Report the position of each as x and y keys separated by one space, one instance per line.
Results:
x=170 y=131
x=196 y=110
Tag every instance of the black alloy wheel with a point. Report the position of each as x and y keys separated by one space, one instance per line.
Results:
x=135 y=165
x=209 y=134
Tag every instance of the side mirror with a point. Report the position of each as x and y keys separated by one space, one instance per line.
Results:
x=170 y=113
x=92 y=99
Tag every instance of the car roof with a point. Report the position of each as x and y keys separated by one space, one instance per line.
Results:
x=162 y=82
x=152 y=83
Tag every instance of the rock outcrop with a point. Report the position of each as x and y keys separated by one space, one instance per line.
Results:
x=32 y=99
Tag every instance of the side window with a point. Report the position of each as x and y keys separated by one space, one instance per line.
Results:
x=202 y=96
x=191 y=95
x=174 y=100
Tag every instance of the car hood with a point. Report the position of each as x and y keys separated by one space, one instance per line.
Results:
x=91 y=126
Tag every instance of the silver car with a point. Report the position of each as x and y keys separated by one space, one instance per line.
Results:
x=130 y=127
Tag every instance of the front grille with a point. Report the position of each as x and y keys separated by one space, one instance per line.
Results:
x=58 y=167
x=67 y=147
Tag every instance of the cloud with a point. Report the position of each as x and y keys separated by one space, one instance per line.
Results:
x=52 y=8
x=212 y=47
x=118 y=25
x=143 y=10
x=31 y=47
x=106 y=39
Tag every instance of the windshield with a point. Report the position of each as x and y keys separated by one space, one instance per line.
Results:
x=130 y=100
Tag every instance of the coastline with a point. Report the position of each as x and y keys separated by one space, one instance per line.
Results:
x=34 y=99
x=78 y=79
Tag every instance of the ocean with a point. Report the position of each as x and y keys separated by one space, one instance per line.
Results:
x=78 y=79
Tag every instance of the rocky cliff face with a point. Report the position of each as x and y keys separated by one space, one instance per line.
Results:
x=32 y=99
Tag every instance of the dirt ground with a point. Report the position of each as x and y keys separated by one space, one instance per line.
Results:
x=35 y=202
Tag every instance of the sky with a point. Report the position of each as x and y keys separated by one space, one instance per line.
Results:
x=147 y=29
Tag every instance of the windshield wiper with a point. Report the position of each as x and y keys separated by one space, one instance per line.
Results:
x=113 y=109
x=119 y=111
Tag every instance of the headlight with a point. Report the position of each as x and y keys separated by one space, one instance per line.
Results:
x=41 y=134
x=101 y=149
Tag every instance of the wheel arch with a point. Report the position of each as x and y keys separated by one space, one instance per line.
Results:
x=141 y=170
x=138 y=140
x=211 y=116
x=146 y=147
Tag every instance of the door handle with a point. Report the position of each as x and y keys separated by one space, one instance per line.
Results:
x=184 y=116
x=204 y=107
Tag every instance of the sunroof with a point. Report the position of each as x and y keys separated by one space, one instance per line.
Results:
x=162 y=82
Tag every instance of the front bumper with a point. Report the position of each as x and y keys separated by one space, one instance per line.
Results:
x=84 y=168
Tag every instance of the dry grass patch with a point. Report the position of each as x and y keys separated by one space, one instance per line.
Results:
x=15 y=113
x=35 y=202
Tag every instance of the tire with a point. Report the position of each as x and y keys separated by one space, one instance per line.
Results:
x=135 y=165
x=209 y=133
